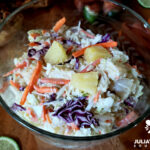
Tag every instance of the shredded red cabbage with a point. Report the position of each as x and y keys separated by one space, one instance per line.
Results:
x=70 y=42
x=51 y=98
x=74 y=111
x=21 y=88
x=130 y=102
x=17 y=107
x=105 y=38
x=77 y=64
x=54 y=34
x=31 y=52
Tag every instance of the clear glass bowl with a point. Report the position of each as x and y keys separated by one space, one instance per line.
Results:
x=128 y=28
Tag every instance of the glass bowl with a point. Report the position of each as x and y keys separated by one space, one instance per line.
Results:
x=128 y=28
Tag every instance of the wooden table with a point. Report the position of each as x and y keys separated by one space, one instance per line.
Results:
x=9 y=127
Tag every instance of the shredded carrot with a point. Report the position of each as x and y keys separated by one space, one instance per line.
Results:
x=130 y=117
x=35 y=76
x=30 y=58
x=106 y=45
x=32 y=113
x=44 y=113
x=46 y=89
x=24 y=96
x=69 y=50
x=74 y=127
x=87 y=34
x=100 y=132
x=108 y=121
x=48 y=118
x=94 y=64
x=97 y=96
x=59 y=24
x=33 y=81
x=4 y=87
x=46 y=43
x=55 y=81
x=19 y=75
x=33 y=44
x=14 y=84
x=64 y=94
x=20 y=66
x=34 y=35
x=44 y=31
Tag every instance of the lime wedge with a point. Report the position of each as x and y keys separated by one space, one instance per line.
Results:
x=145 y=3
x=7 y=143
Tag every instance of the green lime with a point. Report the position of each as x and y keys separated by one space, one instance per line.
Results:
x=145 y=3
x=89 y=15
x=7 y=143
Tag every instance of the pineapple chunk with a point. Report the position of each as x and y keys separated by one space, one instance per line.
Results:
x=56 y=54
x=95 y=52
x=86 y=82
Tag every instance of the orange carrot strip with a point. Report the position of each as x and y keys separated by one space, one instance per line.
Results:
x=34 y=35
x=132 y=116
x=24 y=96
x=59 y=24
x=48 y=118
x=33 y=81
x=33 y=44
x=14 y=84
x=87 y=34
x=20 y=66
x=94 y=64
x=97 y=96
x=35 y=76
x=32 y=113
x=46 y=89
x=46 y=43
x=106 y=45
x=19 y=75
x=44 y=113
x=69 y=50
x=108 y=121
x=44 y=31
x=55 y=81
x=74 y=126
x=4 y=87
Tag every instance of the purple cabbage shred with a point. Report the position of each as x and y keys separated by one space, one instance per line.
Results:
x=54 y=34
x=77 y=64
x=130 y=102
x=105 y=38
x=31 y=52
x=17 y=107
x=52 y=98
x=70 y=42
x=21 y=88
x=74 y=111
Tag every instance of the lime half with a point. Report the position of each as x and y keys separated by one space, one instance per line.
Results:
x=145 y=3
x=7 y=143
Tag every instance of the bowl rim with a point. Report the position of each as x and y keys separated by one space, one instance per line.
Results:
x=64 y=137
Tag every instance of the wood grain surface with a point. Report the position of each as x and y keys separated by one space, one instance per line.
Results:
x=25 y=138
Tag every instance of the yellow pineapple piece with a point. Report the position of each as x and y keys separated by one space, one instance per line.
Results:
x=86 y=82
x=56 y=54
x=95 y=52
